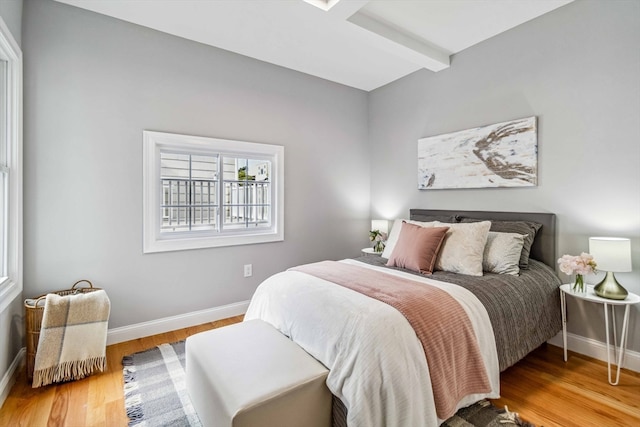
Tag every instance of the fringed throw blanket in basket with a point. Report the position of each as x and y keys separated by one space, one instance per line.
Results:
x=73 y=337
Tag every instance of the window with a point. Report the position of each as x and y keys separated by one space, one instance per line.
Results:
x=206 y=192
x=189 y=197
x=10 y=167
x=4 y=171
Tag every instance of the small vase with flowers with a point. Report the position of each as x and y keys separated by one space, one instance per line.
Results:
x=580 y=265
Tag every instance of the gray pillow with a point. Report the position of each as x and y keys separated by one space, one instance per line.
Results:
x=527 y=228
x=428 y=218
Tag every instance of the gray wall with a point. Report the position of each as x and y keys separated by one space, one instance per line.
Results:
x=11 y=329
x=11 y=12
x=94 y=83
x=11 y=334
x=577 y=69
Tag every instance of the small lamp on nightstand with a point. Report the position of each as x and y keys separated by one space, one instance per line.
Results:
x=378 y=233
x=612 y=254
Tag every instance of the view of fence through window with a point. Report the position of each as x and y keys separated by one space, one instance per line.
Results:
x=194 y=197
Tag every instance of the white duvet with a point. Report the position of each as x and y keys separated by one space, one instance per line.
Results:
x=377 y=365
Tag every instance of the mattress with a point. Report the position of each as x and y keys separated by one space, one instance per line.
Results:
x=522 y=312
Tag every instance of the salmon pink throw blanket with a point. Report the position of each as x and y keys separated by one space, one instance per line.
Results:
x=441 y=324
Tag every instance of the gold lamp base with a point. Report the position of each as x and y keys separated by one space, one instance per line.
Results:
x=610 y=288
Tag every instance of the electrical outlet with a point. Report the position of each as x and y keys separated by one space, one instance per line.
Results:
x=248 y=270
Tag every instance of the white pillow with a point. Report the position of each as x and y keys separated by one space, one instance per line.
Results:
x=463 y=248
x=502 y=253
x=392 y=239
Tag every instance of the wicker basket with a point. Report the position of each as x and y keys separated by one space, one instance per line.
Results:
x=33 y=320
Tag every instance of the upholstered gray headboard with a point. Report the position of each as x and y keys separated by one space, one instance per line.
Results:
x=544 y=245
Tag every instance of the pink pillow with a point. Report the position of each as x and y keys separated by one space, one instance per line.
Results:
x=417 y=247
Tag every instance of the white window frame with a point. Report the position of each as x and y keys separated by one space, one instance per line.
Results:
x=155 y=241
x=11 y=284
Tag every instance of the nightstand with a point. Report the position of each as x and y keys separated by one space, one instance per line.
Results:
x=591 y=296
x=370 y=251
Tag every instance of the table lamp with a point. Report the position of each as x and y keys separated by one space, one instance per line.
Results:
x=612 y=254
x=382 y=225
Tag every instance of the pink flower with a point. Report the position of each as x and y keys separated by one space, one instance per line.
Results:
x=579 y=264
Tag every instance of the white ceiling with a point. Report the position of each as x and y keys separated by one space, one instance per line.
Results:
x=358 y=43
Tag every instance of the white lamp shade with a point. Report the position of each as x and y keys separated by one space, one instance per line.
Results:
x=382 y=225
x=611 y=253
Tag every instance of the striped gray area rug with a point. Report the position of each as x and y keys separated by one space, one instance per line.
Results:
x=155 y=395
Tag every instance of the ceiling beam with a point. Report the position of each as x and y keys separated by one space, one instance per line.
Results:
x=345 y=8
x=402 y=44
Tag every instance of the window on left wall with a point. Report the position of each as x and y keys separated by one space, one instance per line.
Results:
x=10 y=167
x=4 y=172
x=206 y=192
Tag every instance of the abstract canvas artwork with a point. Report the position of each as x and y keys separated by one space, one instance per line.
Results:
x=499 y=155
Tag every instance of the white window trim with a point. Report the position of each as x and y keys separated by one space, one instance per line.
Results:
x=153 y=143
x=11 y=286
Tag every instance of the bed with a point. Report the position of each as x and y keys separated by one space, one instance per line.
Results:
x=377 y=359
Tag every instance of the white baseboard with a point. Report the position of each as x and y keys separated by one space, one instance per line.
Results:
x=159 y=326
x=136 y=331
x=596 y=349
x=9 y=377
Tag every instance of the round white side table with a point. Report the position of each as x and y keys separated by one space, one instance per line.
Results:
x=591 y=296
x=370 y=251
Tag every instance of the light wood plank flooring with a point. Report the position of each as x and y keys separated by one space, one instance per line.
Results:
x=541 y=388
x=545 y=390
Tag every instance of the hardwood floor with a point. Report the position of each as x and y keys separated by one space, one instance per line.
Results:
x=94 y=401
x=541 y=388
x=546 y=391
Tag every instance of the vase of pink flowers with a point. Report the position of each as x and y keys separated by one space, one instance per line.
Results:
x=378 y=238
x=579 y=265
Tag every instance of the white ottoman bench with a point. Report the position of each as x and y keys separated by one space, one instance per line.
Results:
x=249 y=374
